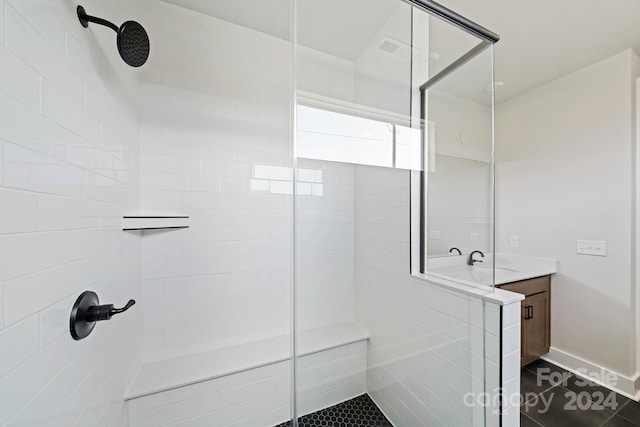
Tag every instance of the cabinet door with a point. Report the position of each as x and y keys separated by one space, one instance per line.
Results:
x=536 y=328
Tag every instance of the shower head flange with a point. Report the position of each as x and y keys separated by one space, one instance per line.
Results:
x=82 y=16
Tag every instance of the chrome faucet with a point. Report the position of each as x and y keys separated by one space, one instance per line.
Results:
x=471 y=261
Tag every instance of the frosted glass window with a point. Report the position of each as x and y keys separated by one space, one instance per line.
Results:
x=326 y=135
x=408 y=148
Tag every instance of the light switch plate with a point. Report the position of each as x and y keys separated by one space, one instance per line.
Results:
x=514 y=241
x=592 y=247
x=474 y=237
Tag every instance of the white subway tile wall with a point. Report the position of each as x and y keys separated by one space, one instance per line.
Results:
x=324 y=257
x=215 y=145
x=330 y=377
x=511 y=363
x=68 y=168
x=260 y=396
x=426 y=347
x=237 y=399
x=215 y=120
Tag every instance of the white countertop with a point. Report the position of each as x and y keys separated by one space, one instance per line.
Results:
x=508 y=268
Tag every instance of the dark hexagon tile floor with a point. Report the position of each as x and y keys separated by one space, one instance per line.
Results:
x=357 y=412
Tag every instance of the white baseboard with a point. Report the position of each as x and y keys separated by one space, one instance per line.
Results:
x=626 y=386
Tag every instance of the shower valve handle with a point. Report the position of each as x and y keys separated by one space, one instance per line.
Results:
x=87 y=311
x=97 y=313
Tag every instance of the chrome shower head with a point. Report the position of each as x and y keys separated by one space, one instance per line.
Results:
x=133 y=41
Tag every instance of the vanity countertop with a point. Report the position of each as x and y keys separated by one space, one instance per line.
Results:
x=508 y=268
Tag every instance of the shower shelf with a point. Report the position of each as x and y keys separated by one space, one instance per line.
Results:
x=157 y=222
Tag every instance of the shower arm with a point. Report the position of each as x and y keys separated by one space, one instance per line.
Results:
x=85 y=19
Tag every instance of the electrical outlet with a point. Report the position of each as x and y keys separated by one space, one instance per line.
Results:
x=434 y=234
x=514 y=241
x=474 y=237
x=591 y=247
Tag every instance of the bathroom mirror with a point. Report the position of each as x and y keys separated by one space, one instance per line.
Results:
x=458 y=206
x=458 y=178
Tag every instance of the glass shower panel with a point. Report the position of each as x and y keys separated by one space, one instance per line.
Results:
x=353 y=109
x=216 y=146
x=370 y=335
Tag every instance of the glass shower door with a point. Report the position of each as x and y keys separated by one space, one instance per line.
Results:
x=374 y=338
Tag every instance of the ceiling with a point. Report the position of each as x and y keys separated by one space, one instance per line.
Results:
x=540 y=40
x=544 y=40
x=267 y=16
x=319 y=26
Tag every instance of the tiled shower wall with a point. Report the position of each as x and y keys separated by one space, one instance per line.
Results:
x=215 y=127
x=215 y=145
x=325 y=258
x=68 y=172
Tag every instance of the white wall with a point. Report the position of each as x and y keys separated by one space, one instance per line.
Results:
x=68 y=172
x=565 y=172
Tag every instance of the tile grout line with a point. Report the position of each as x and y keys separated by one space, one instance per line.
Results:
x=541 y=393
x=616 y=413
x=530 y=419
x=608 y=419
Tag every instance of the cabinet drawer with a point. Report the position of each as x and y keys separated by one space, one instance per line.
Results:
x=529 y=286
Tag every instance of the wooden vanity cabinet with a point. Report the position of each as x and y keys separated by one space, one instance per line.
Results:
x=536 y=316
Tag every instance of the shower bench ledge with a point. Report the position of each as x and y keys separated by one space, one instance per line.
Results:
x=167 y=374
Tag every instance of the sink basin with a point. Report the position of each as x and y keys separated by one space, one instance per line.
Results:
x=508 y=269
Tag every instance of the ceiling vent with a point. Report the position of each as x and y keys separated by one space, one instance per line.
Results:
x=388 y=46
x=395 y=48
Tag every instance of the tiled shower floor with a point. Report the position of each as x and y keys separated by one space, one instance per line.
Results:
x=357 y=412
